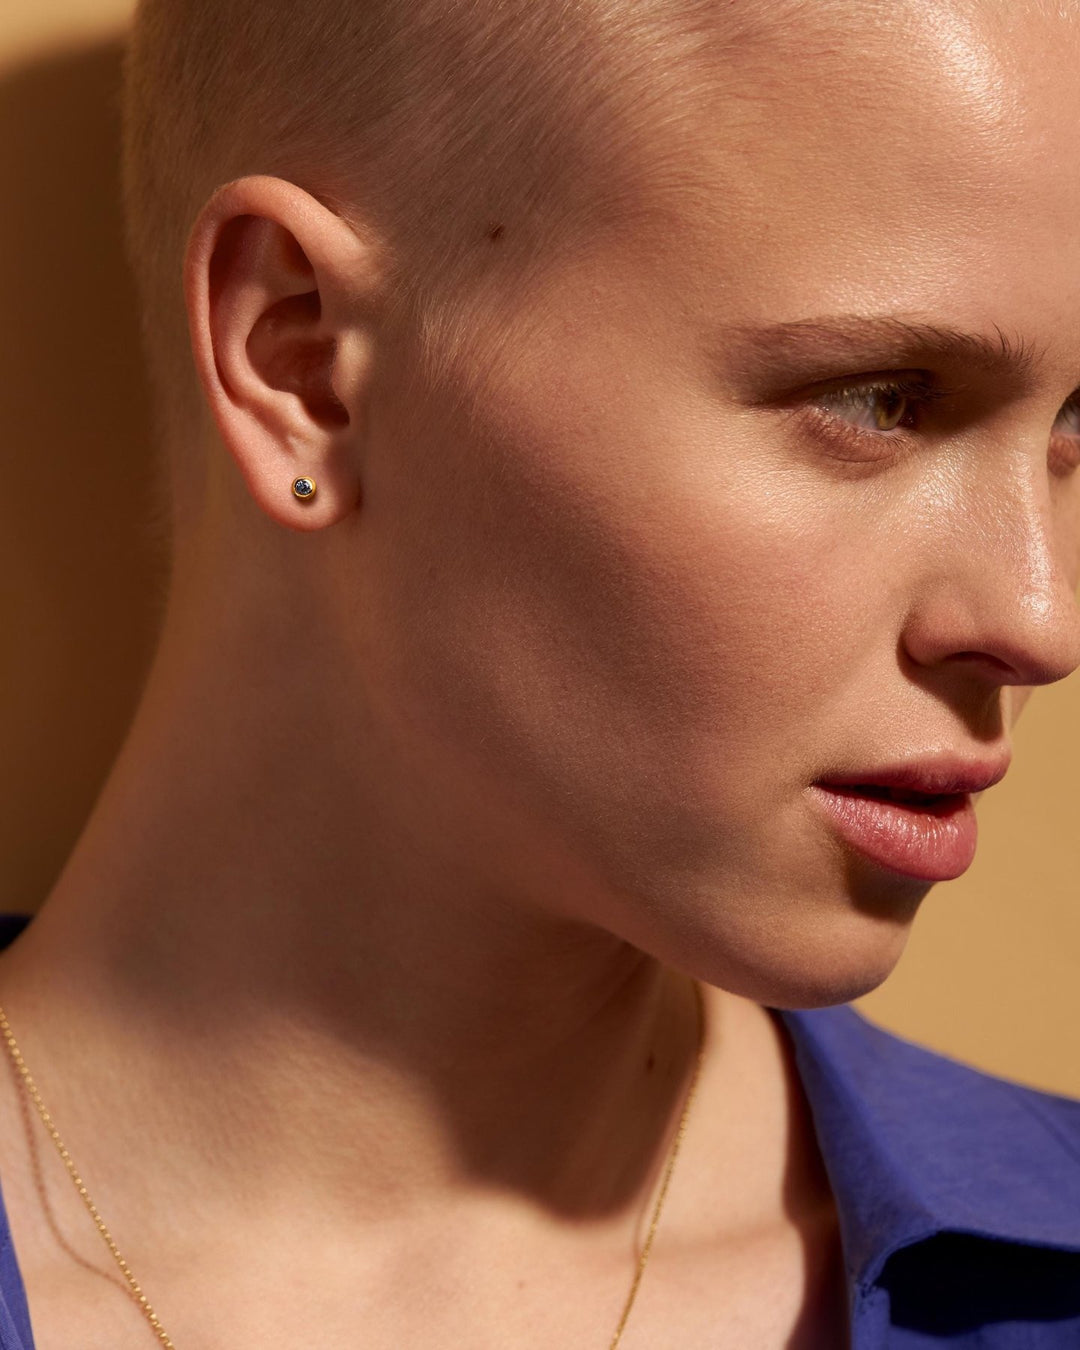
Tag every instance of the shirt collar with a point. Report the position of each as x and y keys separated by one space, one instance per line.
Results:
x=916 y=1143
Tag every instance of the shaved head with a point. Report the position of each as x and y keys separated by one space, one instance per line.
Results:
x=469 y=140
x=467 y=136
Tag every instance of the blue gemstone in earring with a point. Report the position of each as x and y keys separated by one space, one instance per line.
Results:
x=304 y=488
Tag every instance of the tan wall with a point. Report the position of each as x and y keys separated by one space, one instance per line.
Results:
x=992 y=971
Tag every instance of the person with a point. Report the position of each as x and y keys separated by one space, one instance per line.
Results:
x=618 y=460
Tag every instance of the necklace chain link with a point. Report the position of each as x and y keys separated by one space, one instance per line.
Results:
x=143 y=1303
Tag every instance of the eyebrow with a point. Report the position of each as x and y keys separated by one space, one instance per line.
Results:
x=881 y=339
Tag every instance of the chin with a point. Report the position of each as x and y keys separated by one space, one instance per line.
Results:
x=832 y=963
x=806 y=954
x=839 y=987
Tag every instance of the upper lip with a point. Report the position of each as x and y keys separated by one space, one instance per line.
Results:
x=936 y=776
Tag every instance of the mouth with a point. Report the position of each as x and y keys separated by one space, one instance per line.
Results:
x=922 y=836
x=918 y=780
x=915 y=820
x=935 y=803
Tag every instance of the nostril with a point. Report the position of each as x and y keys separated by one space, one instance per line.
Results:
x=1009 y=674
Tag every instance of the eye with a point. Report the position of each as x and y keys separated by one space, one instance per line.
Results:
x=883 y=406
x=1065 y=446
x=869 y=417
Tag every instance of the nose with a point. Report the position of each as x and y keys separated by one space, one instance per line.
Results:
x=999 y=596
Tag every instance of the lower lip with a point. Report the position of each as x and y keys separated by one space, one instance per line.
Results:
x=931 y=843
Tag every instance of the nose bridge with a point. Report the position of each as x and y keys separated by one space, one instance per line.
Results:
x=1011 y=577
x=1023 y=519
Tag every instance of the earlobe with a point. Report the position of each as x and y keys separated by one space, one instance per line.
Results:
x=280 y=294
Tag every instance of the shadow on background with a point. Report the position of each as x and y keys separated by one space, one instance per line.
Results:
x=80 y=575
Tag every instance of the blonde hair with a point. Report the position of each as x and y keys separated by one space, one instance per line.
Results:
x=446 y=125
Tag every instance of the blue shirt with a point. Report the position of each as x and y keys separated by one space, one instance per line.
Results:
x=958 y=1193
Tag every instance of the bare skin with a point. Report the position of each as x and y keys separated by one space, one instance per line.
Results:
x=444 y=783
x=761 y=1260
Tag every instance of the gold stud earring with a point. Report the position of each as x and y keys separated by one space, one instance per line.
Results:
x=304 y=488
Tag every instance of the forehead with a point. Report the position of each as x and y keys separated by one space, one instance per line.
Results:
x=909 y=157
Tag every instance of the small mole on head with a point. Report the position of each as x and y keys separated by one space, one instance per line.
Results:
x=495 y=231
x=650 y=1063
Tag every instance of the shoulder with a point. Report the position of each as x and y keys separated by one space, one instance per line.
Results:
x=863 y=1059
x=958 y=1190
x=943 y=1126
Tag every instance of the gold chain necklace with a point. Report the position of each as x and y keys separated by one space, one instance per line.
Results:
x=143 y=1303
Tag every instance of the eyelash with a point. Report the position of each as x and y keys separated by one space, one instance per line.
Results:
x=921 y=394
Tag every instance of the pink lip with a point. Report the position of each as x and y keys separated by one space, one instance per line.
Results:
x=940 y=775
x=929 y=840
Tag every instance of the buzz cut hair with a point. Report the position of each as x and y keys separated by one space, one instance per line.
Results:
x=466 y=134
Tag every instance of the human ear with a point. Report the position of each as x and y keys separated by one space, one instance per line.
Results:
x=282 y=298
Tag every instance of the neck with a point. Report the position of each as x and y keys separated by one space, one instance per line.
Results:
x=293 y=968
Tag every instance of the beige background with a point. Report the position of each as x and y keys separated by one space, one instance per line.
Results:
x=992 y=971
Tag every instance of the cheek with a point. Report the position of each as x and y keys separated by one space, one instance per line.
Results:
x=610 y=636
x=599 y=599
